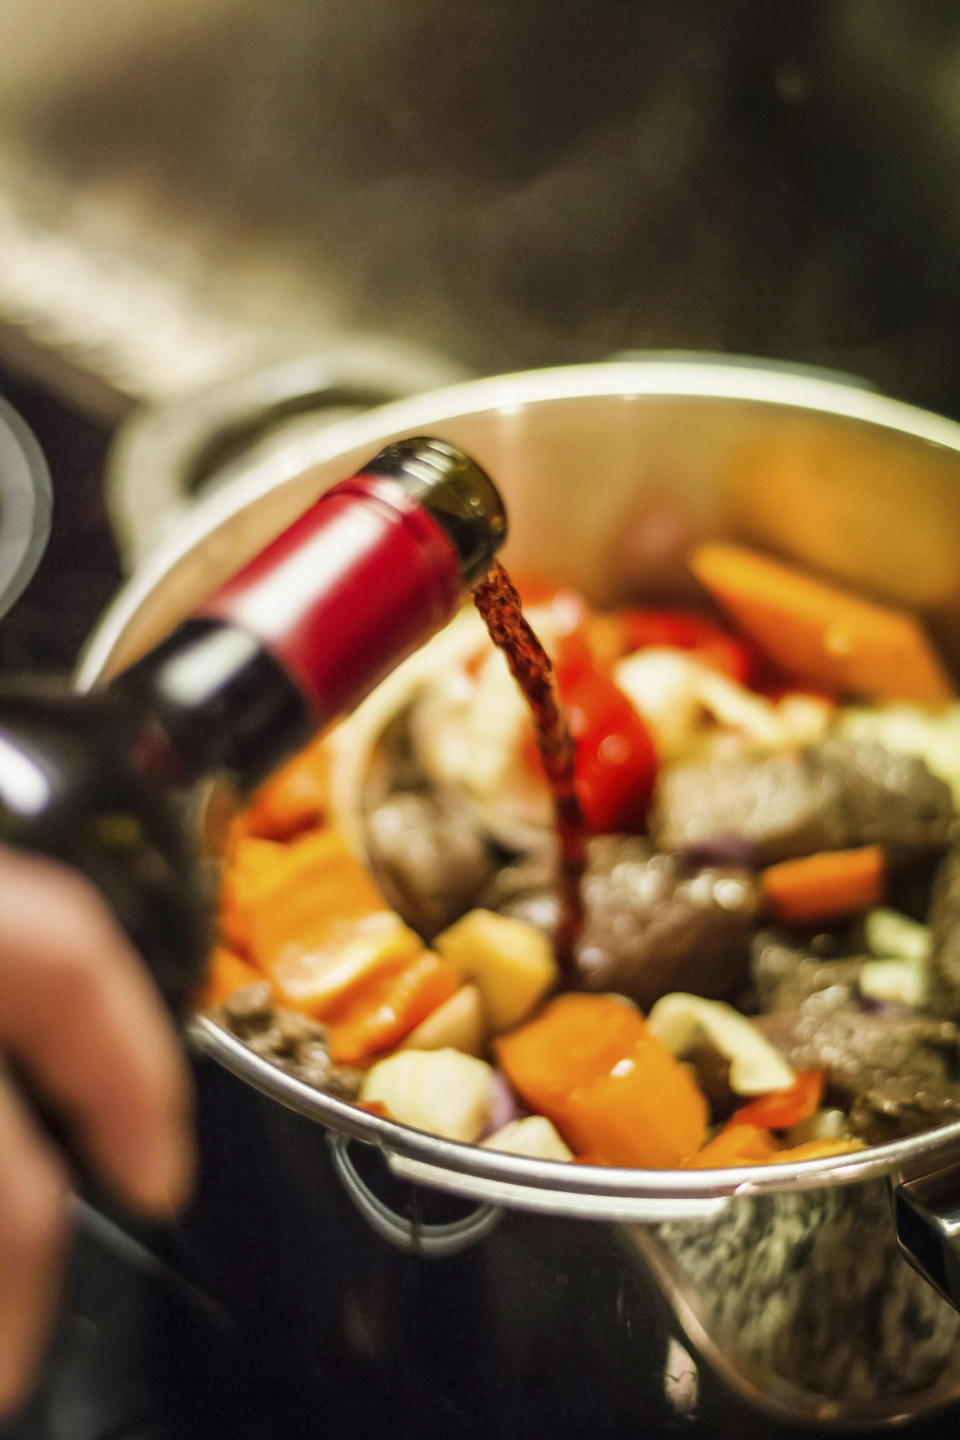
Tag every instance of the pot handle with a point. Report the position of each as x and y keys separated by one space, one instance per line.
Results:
x=570 y=1204
x=927 y=1218
x=401 y=1231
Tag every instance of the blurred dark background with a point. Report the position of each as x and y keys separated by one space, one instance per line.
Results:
x=190 y=191
x=187 y=188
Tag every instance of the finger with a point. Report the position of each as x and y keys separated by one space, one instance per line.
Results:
x=79 y=1012
x=34 y=1201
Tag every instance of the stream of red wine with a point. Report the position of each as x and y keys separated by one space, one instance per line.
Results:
x=498 y=602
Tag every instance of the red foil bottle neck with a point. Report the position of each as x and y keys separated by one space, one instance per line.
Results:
x=353 y=587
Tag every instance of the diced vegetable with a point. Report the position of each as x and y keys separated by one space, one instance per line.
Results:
x=533 y=1136
x=900 y=982
x=315 y=883
x=380 y=1012
x=250 y=870
x=293 y=799
x=572 y=1040
x=821 y=632
x=511 y=963
x=344 y=957
x=440 y=1091
x=821 y=1125
x=683 y=1021
x=682 y=630
x=738 y=1144
x=815 y=1150
x=785 y=1107
x=828 y=886
x=616 y=764
x=735 y=1144
x=891 y=935
x=226 y=972
x=647 y=1111
x=587 y=1063
x=676 y=693
x=460 y=1023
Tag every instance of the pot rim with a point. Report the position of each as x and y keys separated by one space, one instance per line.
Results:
x=243 y=484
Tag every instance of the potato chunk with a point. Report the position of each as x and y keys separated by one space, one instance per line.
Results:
x=460 y=1023
x=511 y=963
x=441 y=1091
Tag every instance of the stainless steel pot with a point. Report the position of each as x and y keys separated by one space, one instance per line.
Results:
x=787 y=1278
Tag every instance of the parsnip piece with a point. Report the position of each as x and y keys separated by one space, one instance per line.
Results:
x=511 y=963
x=680 y=1021
x=460 y=1023
x=533 y=1136
x=440 y=1091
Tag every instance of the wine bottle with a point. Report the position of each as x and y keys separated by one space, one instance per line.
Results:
x=295 y=639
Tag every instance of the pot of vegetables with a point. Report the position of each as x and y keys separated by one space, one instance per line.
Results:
x=482 y=1200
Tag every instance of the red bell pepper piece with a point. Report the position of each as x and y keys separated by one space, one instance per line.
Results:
x=783 y=1108
x=681 y=630
x=616 y=758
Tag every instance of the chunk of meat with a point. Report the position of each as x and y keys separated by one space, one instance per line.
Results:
x=430 y=855
x=874 y=1064
x=782 y=805
x=786 y=972
x=943 y=992
x=292 y=1041
x=652 y=923
x=886 y=797
x=902 y=1106
x=837 y=795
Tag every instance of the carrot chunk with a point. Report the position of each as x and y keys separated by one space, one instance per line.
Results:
x=820 y=632
x=381 y=1012
x=826 y=886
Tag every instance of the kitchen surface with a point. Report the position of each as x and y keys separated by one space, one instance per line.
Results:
x=352 y=203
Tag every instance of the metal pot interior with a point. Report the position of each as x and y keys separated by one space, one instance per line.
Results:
x=849 y=483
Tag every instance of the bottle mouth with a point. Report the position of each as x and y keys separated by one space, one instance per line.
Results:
x=457 y=492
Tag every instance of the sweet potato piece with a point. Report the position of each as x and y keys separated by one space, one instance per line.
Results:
x=293 y=799
x=574 y=1039
x=380 y=1012
x=646 y=1112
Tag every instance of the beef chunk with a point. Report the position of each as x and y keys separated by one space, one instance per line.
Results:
x=900 y=1106
x=430 y=855
x=887 y=798
x=292 y=1041
x=787 y=973
x=830 y=796
x=782 y=805
x=875 y=1063
x=943 y=995
x=652 y=923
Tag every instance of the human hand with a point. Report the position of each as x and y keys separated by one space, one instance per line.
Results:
x=81 y=1019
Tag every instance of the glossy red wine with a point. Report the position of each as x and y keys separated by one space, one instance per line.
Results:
x=498 y=602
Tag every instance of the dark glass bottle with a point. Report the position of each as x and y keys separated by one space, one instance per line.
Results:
x=298 y=637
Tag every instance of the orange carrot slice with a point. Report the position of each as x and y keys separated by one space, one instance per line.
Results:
x=825 y=886
x=820 y=632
